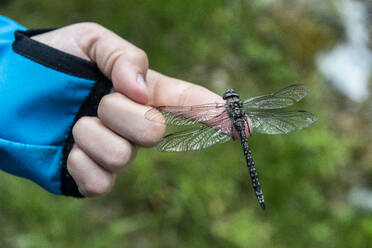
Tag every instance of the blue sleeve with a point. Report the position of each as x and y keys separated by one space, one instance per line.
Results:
x=43 y=92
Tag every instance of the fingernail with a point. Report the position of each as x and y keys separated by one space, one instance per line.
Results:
x=141 y=80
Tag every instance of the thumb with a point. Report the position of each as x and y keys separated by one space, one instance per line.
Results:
x=125 y=64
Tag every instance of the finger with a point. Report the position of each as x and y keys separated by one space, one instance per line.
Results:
x=104 y=146
x=92 y=179
x=127 y=118
x=168 y=91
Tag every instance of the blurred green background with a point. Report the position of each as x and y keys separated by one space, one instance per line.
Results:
x=205 y=199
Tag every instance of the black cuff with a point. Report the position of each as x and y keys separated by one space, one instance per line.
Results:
x=72 y=65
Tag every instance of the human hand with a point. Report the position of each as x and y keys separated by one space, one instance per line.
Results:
x=106 y=144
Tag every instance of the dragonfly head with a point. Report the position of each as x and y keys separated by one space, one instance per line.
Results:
x=229 y=93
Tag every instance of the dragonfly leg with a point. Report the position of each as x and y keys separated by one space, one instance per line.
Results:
x=220 y=114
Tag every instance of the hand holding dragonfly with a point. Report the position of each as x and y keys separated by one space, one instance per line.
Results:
x=106 y=144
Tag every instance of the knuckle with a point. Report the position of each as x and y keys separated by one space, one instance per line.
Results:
x=72 y=160
x=142 y=56
x=91 y=26
x=153 y=134
x=106 y=103
x=81 y=124
x=97 y=187
x=139 y=56
x=118 y=157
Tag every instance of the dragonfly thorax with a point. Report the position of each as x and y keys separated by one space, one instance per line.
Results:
x=230 y=93
x=234 y=107
x=238 y=113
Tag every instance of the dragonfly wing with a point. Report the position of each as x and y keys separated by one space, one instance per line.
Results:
x=280 y=122
x=186 y=115
x=198 y=137
x=281 y=99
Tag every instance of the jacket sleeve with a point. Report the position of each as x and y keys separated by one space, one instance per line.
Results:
x=43 y=92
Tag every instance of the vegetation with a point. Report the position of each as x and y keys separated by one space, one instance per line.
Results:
x=205 y=199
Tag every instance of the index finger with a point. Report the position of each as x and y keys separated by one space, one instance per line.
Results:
x=168 y=91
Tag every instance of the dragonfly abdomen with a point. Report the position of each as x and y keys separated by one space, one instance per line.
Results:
x=255 y=182
x=252 y=169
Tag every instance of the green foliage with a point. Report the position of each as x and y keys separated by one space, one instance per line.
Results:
x=204 y=199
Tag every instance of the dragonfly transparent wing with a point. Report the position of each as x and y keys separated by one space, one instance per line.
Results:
x=281 y=99
x=197 y=137
x=280 y=122
x=186 y=115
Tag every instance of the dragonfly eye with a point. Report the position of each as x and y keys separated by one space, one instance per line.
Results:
x=229 y=93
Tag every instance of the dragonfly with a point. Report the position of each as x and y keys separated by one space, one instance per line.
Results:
x=214 y=123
